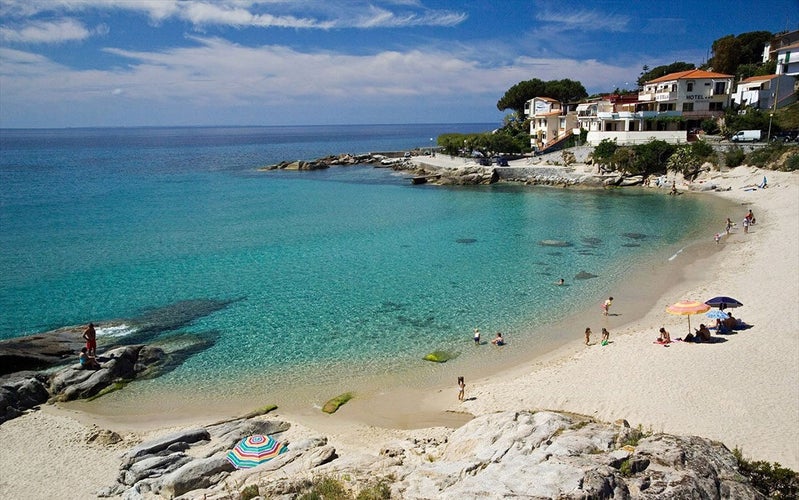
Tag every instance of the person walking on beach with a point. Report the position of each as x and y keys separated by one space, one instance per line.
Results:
x=746 y=224
x=605 y=336
x=476 y=336
x=729 y=226
x=606 y=306
x=461 y=388
x=587 y=335
x=90 y=335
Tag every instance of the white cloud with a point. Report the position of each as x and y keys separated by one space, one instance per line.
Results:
x=583 y=20
x=255 y=13
x=63 y=30
x=220 y=72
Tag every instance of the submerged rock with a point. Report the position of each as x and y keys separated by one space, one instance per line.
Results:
x=555 y=243
x=582 y=275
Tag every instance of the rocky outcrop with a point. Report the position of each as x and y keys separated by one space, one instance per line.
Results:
x=384 y=159
x=21 y=393
x=195 y=459
x=36 y=352
x=117 y=366
x=551 y=455
x=536 y=455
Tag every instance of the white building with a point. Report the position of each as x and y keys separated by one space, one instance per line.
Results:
x=762 y=92
x=549 y=122
x=694 y=95
x=788 y=60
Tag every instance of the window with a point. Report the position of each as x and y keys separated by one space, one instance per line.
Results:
x=666 y=106
x=716 y=106
x=690 y=86
x=687 y=106
x=719 y=89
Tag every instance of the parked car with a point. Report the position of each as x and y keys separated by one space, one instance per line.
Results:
x=786 y=136
x=500 y=161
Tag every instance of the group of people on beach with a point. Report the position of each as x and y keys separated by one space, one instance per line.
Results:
x=749 y=220
x=497 y=340
x=605 y=336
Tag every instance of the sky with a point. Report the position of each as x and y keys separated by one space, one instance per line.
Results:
x=83 y=63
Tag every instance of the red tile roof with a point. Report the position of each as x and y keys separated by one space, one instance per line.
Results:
x=689 y=75
x=761 y=78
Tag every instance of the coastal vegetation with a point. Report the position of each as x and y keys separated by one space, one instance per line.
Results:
x=771 y=479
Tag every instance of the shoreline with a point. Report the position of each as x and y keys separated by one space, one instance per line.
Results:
x=743 y=392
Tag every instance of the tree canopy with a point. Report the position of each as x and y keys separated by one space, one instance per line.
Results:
x=731 y=51
x=562 y=90
x=651 y=74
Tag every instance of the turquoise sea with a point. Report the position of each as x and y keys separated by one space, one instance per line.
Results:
x=171 y=235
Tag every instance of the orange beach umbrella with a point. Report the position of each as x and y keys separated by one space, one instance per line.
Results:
x=687 y=308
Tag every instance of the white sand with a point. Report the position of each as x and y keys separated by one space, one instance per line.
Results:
x=743 y=392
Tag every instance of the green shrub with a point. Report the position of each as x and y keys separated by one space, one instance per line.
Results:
x=792 y=163
x=635 y=436
x=249 y=492
x=734 y=157
x=710 y=126
x=764 y=156
x=703 y=151
x=380 y=491
x=326 y=488
x=772 y=480
x=626 y=468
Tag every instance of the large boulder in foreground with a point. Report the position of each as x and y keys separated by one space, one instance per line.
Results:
x=552 y=455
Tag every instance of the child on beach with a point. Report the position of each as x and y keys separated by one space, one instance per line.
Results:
x=605 y=336
x=461 y=388
x=498 y=340
x=476 y=336
x=606 y=306
x=587 y=335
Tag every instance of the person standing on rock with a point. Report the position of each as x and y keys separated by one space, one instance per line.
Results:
x=90 y=335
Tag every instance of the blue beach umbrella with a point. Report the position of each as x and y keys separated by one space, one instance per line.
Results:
x=717 y=314
x=723 y=302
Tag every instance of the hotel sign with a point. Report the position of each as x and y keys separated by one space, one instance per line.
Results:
x=696 y=97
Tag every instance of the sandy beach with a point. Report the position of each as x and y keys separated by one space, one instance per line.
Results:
x=742 y=391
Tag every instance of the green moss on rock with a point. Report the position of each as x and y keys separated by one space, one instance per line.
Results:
x=333 y=405
x=439 y=356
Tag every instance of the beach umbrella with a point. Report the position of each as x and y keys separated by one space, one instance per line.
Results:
x=255 y=450
x=723 y=302
x=717 y=314
x=687 y=308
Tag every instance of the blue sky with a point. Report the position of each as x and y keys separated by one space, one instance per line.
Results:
x=73 y=63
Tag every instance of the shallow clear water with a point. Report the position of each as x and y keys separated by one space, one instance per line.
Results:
x=290 y=273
